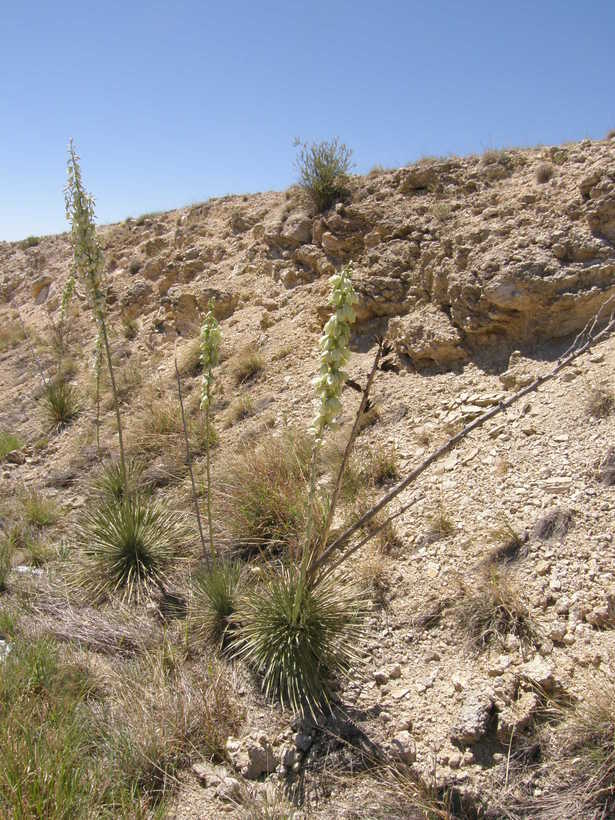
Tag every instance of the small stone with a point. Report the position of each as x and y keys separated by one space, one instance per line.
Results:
x=229 y=790
x=381 y=677
x=395 y=672
x=403 y=748
x=454 y=759
x=539 y=673
x=473 y=719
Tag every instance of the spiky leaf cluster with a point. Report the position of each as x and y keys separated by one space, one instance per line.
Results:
x=300 y=636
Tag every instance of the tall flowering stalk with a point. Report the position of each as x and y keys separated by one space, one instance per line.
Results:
x=334 y=354
x=88 y=263
x=211 y=336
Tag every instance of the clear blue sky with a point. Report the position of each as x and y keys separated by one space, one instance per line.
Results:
x=173 y=102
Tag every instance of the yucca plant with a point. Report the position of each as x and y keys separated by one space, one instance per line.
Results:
x=88 y=262
x=216 y=591
x=60 y=403
x=127 y=546
x=111 y=484
x=299 y=636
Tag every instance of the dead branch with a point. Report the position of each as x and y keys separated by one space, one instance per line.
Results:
x=584 y=340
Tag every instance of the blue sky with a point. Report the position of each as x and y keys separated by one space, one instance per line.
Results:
x=171 y=103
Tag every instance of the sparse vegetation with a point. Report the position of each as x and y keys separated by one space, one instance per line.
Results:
x=241 y=408
x=9 y=443
x=264 y=492
x=38 y=510
x=247 y=364
x=544 y=172
x=130 y=327
x=30 y=242
x=489 y=607
x=600 y=402
x=6 y=554
x=323 y=171
x=441 y=211
x=11 y=334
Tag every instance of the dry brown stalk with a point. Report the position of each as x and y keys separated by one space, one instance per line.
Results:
x=188 y=454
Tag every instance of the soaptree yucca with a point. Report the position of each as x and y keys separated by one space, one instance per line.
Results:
x=88 y=264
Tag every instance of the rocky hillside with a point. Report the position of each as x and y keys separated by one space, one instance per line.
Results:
x=479 y=270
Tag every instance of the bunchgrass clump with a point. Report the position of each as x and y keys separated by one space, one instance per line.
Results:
x=324 y=171
x=189 y=358
x=46 y=764
x=11 y=334
x=489 y=607
x=247 y=364
x=38 y=510
x=60 y=403
x=127 y=547
x=578 y=749
x=300 y=636
x=242 y=408
x=9 y=443
x=383 y=467
x=263 y=493
x=110 y=484
x=600 y=402
x=216 y=590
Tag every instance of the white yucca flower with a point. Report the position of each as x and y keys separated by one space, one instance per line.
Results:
x=334 y=351
x=87 y=253
x=211 y=336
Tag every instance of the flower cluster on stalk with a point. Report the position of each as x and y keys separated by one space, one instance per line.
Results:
x=88 y=255
x=334 y=351
x=211 y=337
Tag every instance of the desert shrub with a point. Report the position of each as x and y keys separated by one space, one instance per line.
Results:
x=189 y=358
x=60 y=403
x=441 y=211
x=383 y=466
x=489 y=607
x=299 y=636
x=600 y=402
x=611 y=134
x=127 y=546
x=216 y=590
x=247 y=364
x=134 y=267
x=8 y=443
x=323 y=171
x=159 y=427
x=441 y=524
x=30 y=242
x=544 y=172
x=263 y=493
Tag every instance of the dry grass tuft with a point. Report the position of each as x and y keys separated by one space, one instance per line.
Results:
x=247 y=364
x=544 y=172
x=600 y=402
x=489 y=607
x=242 y=408
x=189 y=358
x=262 y=494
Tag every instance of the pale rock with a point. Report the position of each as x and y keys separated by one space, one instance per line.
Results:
x=403 y=748
x=474 y=717
x=539 y=672
x=428 y=337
